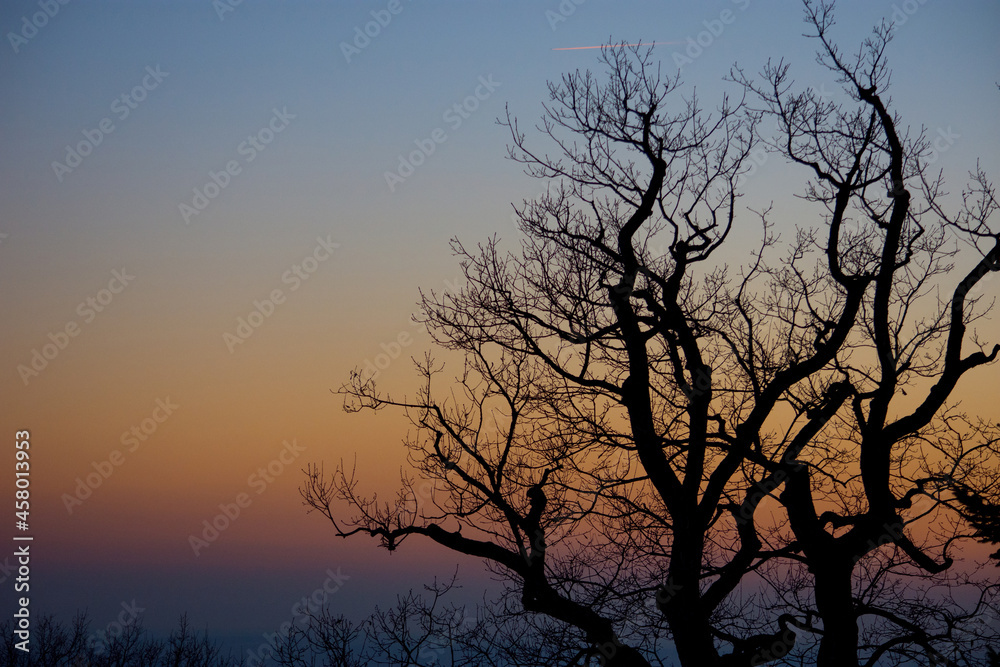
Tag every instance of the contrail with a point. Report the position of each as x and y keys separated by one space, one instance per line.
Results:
x=605 y=46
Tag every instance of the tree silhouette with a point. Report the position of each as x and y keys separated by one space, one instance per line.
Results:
x=75 y=644
x=981 y=514
x=755 y=464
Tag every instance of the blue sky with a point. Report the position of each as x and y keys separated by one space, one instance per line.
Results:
x=223 y=75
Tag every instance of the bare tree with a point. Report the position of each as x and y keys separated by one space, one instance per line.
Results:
x=324 y=639
x=860 y=333
x=629 y=407
x=55 y=644
x=981 y=513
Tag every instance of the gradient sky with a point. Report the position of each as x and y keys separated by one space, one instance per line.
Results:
x=322 y=177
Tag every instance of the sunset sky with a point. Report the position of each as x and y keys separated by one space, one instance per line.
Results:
x=235 y=153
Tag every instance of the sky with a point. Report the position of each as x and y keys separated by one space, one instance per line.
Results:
x=199 y=240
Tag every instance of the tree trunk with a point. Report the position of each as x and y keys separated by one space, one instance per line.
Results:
x=835 y=603
x=623 y=656
x=683 y=608
x=694 y=643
